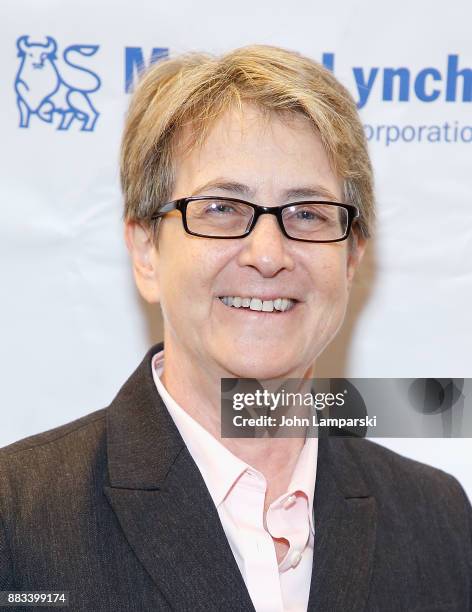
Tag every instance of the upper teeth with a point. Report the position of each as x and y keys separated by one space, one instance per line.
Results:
x=280 y=304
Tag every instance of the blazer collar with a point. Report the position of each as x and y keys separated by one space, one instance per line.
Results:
x=169 y=519
x=142 y=439
x=162 y=503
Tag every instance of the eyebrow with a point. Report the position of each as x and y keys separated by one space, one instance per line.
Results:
x=233 y=187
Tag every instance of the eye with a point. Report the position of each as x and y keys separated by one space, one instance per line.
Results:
x=309 y=214
x=220 y=208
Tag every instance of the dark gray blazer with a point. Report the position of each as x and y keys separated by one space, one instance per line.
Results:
x=113 y=509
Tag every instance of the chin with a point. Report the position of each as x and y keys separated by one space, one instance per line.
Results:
x=261 y=369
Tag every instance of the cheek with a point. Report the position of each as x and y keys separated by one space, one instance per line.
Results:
x=187 y=277
x=330 y=296
x=329 y=275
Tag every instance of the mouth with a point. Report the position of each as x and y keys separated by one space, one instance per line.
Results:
x=278 y=305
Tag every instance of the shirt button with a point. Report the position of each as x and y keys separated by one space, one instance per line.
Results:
x=295 y=558
x=288 y=503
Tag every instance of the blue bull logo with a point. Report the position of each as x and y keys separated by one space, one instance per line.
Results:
x=43 y=90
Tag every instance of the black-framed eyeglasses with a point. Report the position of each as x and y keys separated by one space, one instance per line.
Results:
x=223 y=217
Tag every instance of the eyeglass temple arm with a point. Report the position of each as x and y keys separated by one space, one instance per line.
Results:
x=166 y=208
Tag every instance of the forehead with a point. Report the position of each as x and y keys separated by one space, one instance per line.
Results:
x=259 y=148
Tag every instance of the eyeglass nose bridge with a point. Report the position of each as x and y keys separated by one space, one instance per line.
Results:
x=266 y=210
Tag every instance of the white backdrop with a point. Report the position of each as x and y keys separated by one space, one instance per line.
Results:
x=72 y=326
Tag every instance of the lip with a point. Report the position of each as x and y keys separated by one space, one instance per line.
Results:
x=269 y=296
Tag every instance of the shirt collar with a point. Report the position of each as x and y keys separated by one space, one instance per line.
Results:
x=219 y=467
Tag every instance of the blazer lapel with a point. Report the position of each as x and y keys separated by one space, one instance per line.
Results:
x=171 y=523
x=345 y=529
x=163 y=505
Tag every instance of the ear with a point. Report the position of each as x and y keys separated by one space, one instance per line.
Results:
x=356 y=250
x=144 y=259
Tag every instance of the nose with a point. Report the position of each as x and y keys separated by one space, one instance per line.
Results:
x=266 y=248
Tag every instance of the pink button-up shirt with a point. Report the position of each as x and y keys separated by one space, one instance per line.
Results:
x=238 y=492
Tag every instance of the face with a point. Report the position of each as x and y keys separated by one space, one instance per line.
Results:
x=260 y=159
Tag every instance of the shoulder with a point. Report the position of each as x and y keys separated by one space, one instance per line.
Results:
x=48 y=485
x=69 y=433
x=65 y=449
x=405 y=483
x=384 y=465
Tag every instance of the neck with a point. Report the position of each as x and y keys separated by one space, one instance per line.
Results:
x=198 y=391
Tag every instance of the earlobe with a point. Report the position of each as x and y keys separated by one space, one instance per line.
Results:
x=144 y=258
x=138 y=243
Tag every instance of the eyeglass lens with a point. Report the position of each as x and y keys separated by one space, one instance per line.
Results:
x=307 y=221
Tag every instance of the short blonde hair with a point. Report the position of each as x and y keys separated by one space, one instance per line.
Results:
x=197 y=88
